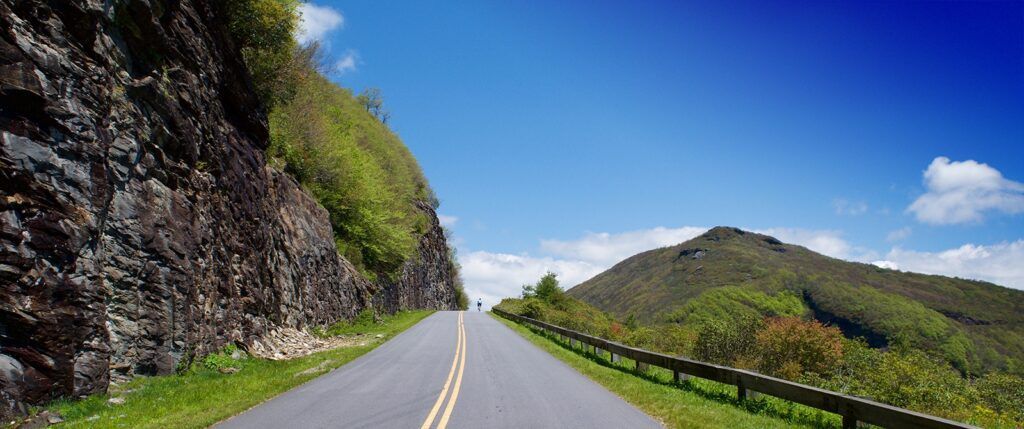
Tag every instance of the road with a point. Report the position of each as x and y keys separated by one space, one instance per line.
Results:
x=455 y=370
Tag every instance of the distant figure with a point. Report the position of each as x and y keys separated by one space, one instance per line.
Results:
x=479 y=303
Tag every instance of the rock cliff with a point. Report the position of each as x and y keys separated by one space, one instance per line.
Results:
x=139 y=223
x=427 y=281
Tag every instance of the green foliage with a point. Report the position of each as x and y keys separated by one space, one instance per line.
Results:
x=728 y=341
x=335 y=144
x=226 y=358
x=262 y=31
x=547 y=288
x=912 y=379
x=1003 y=393
x=356 y=168
x=461 y=299
x=790 y=347
x=528 y=291
x=731 y=302
x=902 y=321
x=566 y=312
x=809 y=352
x=365 y=322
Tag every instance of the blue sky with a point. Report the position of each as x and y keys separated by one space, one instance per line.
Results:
x=562 y=135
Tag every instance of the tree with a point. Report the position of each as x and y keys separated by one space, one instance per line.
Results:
x=547 y=288
x=372 y=100
x=528 y=291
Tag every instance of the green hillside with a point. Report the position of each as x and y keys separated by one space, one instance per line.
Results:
x=357 y=169
x=728 y=273
x=335 y=143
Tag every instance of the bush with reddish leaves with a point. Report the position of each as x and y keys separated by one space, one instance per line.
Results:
x=789 y=347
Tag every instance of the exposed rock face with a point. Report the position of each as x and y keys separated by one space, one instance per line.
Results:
x=139 y=224
x=427 y=281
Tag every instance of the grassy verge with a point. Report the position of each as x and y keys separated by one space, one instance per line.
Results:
x=202 y=396
x=695 y=403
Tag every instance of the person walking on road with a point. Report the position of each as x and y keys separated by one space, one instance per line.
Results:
x=479 y=303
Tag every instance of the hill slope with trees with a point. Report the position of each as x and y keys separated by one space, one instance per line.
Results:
x=728 y=273
x=771 y=334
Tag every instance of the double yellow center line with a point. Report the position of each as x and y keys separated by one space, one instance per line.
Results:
x=458 y=362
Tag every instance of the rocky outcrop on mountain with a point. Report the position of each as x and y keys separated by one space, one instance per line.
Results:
x=139 y=223
x=427 y=280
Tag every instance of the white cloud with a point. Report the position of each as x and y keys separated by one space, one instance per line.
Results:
x=447 y=221
x=1001 y=263
x=608 y=249
x=347 y=63
x=316 y=21
x=886 y=264
x=826 y=242
x=845 y=207
x=898 y=234
x=493 y=276
x=963 y=191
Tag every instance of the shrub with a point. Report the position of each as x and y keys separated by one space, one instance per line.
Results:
x=727 y=342
x=365 y=321
x=734 y=302
x=912 y=379
x=533 y=309
x=1003 y=393
x=788 y=347
x=223 y=359
x=644 y=338
x=461 y=299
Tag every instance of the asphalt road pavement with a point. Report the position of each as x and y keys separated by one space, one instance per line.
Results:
x=454 y=370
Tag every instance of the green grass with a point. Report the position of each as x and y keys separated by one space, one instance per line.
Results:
x=693 y=404
x=364 y=324
x=201 y=396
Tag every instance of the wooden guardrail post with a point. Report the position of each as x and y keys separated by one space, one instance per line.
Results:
x=679 y=377
x=743 y=393
x=849 y=422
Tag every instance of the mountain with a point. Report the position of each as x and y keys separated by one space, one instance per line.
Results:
x=729 y=273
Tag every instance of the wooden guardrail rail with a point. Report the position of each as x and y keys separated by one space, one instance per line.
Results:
x=851 y=408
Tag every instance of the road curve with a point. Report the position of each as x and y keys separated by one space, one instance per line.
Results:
x=497 y=380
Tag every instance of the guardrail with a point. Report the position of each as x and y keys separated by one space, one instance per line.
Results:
x=851 y=408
